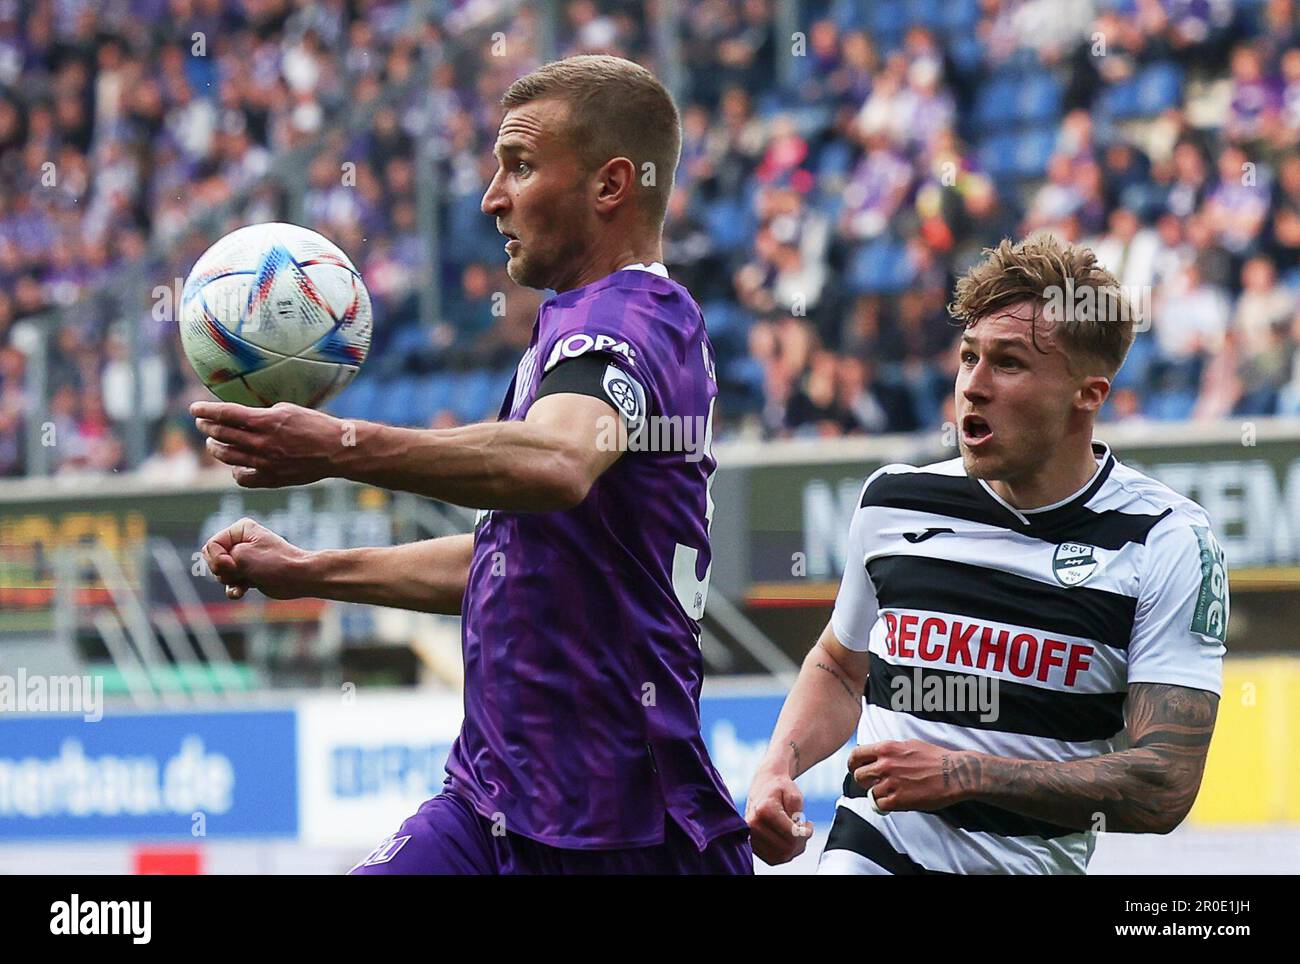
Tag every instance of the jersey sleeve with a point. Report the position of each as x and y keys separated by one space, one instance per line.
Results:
x=1180 y=628
x=600 y=377
x=856 y=607
x=628 y=329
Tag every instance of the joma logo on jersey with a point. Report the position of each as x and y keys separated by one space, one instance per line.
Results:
x=576 y=345
x=1073 y=563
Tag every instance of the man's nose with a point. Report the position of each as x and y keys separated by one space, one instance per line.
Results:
x=494 y=198
x=978 y=382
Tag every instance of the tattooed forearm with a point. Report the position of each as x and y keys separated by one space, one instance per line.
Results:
x=1148 y=788
x=842 y=681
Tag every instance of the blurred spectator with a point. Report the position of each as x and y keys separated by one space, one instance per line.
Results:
x=175 y=463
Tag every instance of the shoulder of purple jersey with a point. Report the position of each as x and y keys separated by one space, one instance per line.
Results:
x=644 y=322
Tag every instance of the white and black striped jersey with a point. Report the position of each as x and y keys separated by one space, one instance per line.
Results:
x=950 y=588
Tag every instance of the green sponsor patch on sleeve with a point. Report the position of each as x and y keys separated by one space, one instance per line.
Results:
x=1210 y=617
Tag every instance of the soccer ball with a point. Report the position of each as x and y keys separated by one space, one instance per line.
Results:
x=275 y=313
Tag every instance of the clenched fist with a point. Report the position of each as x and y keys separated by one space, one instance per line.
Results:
x=910 y=774
x=774 y=812
x=251 y=556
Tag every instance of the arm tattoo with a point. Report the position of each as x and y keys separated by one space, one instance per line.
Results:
x=843 y=682
x=795 y=747
x=1147 y=788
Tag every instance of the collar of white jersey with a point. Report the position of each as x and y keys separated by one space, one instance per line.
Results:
x=1079 y=498
x=654 y=267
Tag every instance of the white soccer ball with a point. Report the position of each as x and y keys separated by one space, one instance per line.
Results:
x=275 y=313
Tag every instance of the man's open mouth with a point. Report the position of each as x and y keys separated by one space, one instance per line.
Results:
x=974 y=429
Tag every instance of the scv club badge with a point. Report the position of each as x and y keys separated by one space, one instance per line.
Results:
x=1073 y=563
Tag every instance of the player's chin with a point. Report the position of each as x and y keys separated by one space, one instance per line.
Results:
x=526 y=272
x=982 y=465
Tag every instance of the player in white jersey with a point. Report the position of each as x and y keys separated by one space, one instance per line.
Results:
x=1038 y=630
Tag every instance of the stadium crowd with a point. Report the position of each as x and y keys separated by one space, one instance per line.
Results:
x=832 y=186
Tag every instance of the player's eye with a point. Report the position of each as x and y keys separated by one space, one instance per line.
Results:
x=523 y=167
x=968 y=358
x=1011 y=363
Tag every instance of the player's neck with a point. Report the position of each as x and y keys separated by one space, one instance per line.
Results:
x=603 y=262
x=1054 y=482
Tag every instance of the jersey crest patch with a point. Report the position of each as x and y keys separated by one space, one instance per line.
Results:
x=1210 y=616
x=1073 y=563
x=626 y=395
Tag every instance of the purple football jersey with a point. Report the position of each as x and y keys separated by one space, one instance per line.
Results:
x=579 y=627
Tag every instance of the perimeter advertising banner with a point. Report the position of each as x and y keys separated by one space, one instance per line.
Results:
x=333 y=770
x=149 y=776
x=122 y=519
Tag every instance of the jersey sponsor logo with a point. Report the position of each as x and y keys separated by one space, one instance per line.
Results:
x=1210 y=615
x=970 y=644
x=1073 y=563
x=915 y=537
x=580 y=344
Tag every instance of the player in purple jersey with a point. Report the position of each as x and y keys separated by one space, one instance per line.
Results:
x=582 y=586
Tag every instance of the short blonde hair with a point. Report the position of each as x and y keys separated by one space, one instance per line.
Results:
x=1085 y=304
x=617 y=109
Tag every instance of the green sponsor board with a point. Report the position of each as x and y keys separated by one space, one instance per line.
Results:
x=788 y=522
x=124 y=521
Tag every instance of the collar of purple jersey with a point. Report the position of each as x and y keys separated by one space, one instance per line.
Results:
x=654 y=267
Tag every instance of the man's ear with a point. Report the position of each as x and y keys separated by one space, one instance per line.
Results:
x=615 y=182
x=1093 y=393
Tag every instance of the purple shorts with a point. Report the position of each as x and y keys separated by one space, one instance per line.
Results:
x=448 y=836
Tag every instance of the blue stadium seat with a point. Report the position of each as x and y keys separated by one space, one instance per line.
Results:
x=997 y=156
x=1033 y=149
x=902 y=272
x=1159 y=87
x=1137 y=366
x=835 y=160
x=471 y=396
x=886 y=19
x=728 y=223
x=744 y=377
x=408 y=338
x=1155 y=89
x=926 y=13
x=960 y=17
x=396 y=401
x=995 y=104
x=357 y=400
x=868 y=267
x=1170 y=406
x=1038 y=99
x=432 y=395
x=500 y=381
x=1118 y=101
x=848 y=14
x=966 y=51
